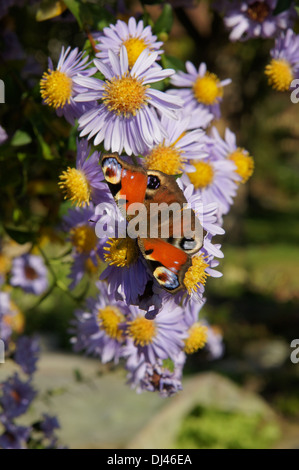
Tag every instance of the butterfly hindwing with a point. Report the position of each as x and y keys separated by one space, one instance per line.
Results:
x=168 y=263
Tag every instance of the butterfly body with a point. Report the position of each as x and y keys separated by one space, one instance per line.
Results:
x=169 y=240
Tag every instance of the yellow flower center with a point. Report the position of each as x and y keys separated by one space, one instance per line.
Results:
x=166 y=159
x=4 y=264
x=125 y=96
x=198 y=336
x=121 y=252
x=134 y=48
x=202 y=176
x=142 y=331
x=280 y=74
x=110 y=318
x=56 y=88
x=75 y=186
x=244 y=163
x=258 y=11
x=207 y=89
x=196 y=274
x=83 y=238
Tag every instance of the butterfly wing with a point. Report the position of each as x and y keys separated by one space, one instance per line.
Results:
x=167 y=262
x=126 y=182
x=168 y=255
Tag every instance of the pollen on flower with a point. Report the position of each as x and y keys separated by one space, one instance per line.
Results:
x=142 y=331
x=166 y=159
x=125 y=96
x=202 y=176
x=134 y=48
x=244 y=163
x=83 y=238
x=121 y=252
x=207 y=89
x=198 y=336
x=110 y=318
x=196 y=274
x=75 y=186
x=280 y=74
x=56 y=88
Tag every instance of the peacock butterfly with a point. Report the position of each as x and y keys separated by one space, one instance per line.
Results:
x=168 y=257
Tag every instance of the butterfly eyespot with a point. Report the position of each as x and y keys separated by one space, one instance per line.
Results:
x=112 y=170
x=153 y=182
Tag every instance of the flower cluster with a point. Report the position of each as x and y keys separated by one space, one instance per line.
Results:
x=118 y=110
x=261 y=19
x=17 y=395
x=28 y=273
x=252 y=19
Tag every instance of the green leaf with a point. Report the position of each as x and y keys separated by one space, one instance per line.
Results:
x=21 y=236
x=75 y=7
x=20 y=138
x=168 y=364
x=282 y=5
x=46 y=150
x=165 y=20
x=172 y=62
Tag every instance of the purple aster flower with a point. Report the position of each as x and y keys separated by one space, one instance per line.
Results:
x=199 y=88
x=5 y=328
x=201 y=335
x=252 y=19
x=85 y=183
x=30 y=273
x=14 y=437
x=144 y=376
x=27 y=354
x=173 y=153
x=134 y=36
x=99 y=329
x=59 y=88
x=79 y=223
x=284 y=66
x=227 y=148
x=159 y=338
x=16 y=396
x=11 y=319
x=125 y=116
x=3 y=135
x=215 y=177
x=203 y=266
x=127 y=273
x=207 y=214
x=215 y=345
x=48 y=425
